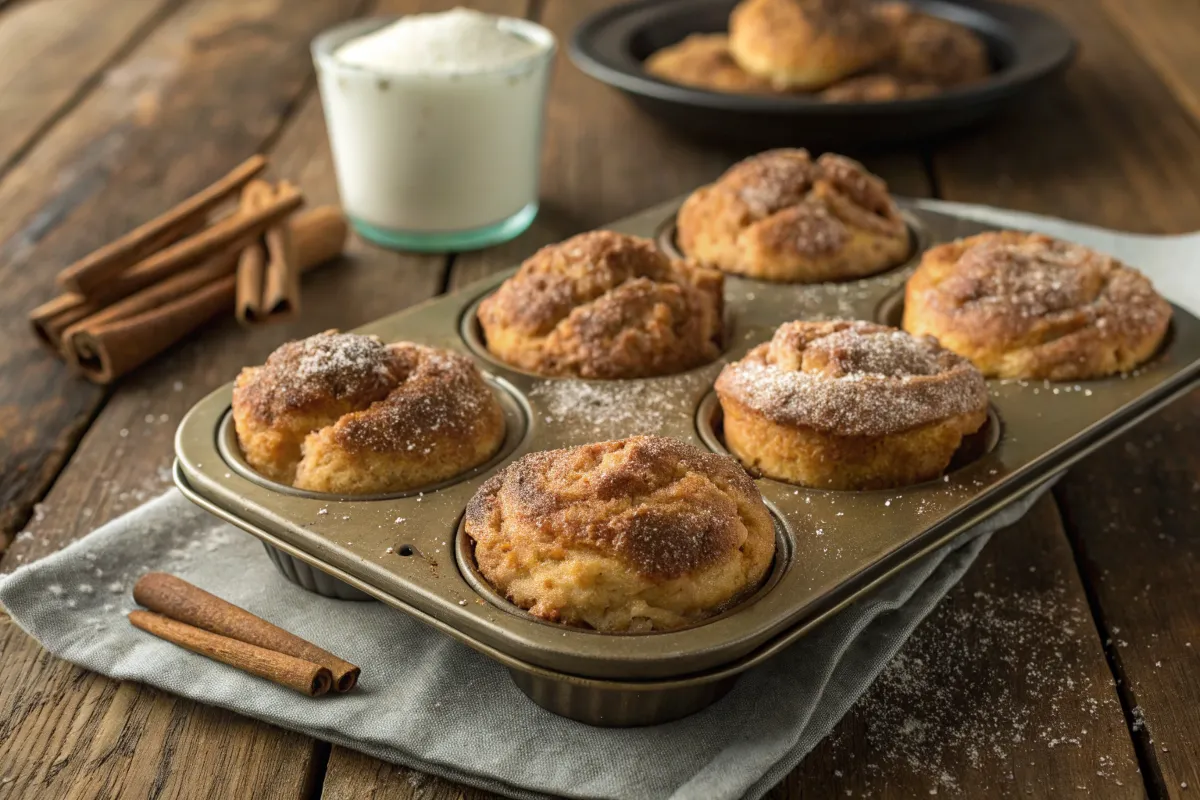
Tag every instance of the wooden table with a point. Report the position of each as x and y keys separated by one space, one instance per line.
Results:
x=1067 y=661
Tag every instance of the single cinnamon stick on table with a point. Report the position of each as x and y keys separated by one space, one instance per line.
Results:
x=281 y=291
x=253 y=260
x=180 y=600
x=295 y=673
x=159 y=316
x=90 y=272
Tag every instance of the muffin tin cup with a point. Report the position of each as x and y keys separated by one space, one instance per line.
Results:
x=837 y=545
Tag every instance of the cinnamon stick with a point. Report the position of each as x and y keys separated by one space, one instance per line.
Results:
x=53 y=317
x=281 y=291
x=149 y=322
x=252 y=263
x=180 y=600
x=233 y=230
x=294 y=673
x=90 y=272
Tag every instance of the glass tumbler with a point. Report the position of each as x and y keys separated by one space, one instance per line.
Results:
x=433 y=161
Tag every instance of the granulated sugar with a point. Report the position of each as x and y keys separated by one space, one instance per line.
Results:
x=456 y=41
x=987 y=679
x=613 y=409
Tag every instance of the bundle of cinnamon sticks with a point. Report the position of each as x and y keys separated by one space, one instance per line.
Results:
x=131 y=299
x=190 y=617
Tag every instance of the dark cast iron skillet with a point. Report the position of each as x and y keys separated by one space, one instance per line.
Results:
x=1026 y=48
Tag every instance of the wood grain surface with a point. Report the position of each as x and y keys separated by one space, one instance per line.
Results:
x=208 y=87
x=1008 y=689
x=1116 y=147
x=55 y=51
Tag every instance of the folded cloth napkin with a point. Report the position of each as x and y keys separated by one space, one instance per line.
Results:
x=427 y=702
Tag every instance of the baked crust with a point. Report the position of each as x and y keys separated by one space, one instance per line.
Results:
x=347 y=414
x=703 y=60
x=1023 y=305
x=933 y=50
x=641 y=534
x=878 y=87
x=605 y=305
x=849 y=405
x=807 y=44
x=781 y=216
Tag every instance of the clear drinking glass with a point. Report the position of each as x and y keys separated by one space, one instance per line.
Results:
x=436 y=161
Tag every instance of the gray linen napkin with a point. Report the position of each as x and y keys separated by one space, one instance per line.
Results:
x=427 y=702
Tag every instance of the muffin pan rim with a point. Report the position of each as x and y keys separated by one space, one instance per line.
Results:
x=565 y=653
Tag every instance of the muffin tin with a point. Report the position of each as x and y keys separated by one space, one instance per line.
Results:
x=408 y=549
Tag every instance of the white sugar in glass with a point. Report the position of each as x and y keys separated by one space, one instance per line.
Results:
x=435 y=121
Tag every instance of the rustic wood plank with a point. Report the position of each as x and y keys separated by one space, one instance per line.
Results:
x=1131 y=511
x=1166 y=34
x=1114 y=147
x=1003 y=690
x=1109 y=145
x=353 y=775
x=54 y=51
x=205 y=90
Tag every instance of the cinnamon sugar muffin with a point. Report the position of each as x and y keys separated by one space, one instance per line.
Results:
x=849 y=405
x=637 y=535
x=807 y=44
x=933 y=50
x=1024 y=305
x=605 y=305
x=347 y=414
x=781 y=216
x=878 y=87
x=702 y=60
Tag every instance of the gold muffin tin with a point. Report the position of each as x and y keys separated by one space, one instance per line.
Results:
x=408 y=550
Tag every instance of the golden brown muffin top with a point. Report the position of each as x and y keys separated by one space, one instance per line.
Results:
x=663 y=507
x=619 y=307
x=313 y=373
x=703 y=60
x=400 y=395
x=853 y=379
x=933 y=49
x=847 y=19
x=817 y=194
x=1013 y=287
x=438 y=394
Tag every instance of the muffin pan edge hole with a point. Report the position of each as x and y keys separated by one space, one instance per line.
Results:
x=464 y=558
x=516 y=428
x=972 y=448
x=919 y=241
x=471 y=332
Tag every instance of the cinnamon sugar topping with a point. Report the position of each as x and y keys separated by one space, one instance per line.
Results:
x=853 y=379
x=665 y=507
x=439 y=396
x=328 y=366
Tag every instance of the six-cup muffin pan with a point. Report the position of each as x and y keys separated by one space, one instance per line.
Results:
x=408 y=549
